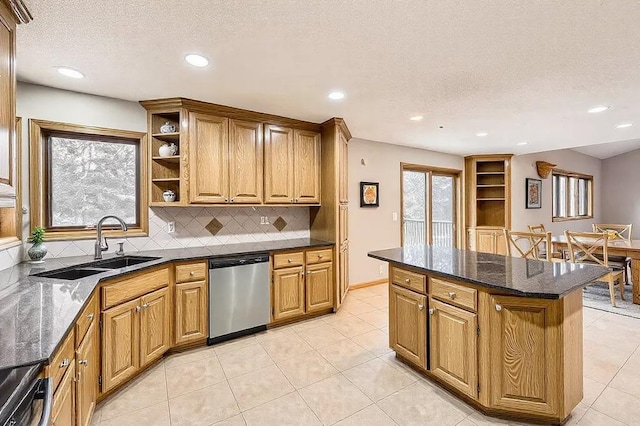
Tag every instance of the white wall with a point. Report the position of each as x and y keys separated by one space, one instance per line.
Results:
x=524 y=166
x=621 y=190
x=372 y=228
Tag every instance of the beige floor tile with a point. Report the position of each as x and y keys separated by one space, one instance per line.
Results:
x=305 y=369
x=577 y=414
x=273 y=333
x=385 y=330
x=377 y=379
x=300 y=327
x=376 y=342
x=370 y=416
x=334 y=399
x=608 y=334
x=338 y=317
x=203 y=407
x=232 y=421
x=233 y=345
x=352 y=327
x=595 y=418
x=189 y=356
x=322 y=335
x=244 y=360
x=285 y=347
x=362 y=293
x=97 y=414
x=288 y=410
x=378 y=302
x=589 y=316
x=602 y=363
x=376 y=318
x=148 y=389
x=618 y=405
x=479 y=419
x=345 y=354
x=156 y=415
x=466 y=422
x=591 y=390
x=356 y=307
x=260 y=386
x=195 y=375
x=416 y=405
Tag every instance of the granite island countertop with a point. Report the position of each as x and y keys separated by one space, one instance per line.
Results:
x=514 y=275
x=37 y=313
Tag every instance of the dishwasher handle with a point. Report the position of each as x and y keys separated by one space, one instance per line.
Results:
x=226 y=262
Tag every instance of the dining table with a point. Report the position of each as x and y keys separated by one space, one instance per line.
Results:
x=616 y=247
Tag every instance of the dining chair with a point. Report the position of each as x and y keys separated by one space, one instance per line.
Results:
x=584 y=247
x=528 y=245
x=618 y=232
x=540 y=229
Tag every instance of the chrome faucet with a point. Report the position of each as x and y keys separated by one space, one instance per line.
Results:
x=99 y=248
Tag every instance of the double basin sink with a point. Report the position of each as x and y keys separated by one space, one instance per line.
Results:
x=93 y=268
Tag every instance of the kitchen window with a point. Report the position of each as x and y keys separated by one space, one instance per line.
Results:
x=81 y=173
x=572 y=196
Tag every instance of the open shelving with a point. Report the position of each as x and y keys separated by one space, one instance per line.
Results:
x=165 y=171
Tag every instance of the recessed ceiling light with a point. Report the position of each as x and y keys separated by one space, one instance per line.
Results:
x=481 y=134
x=597 y=109
x=416 y=118
x=624 y=125
x=523 y=143
x=336 y=95
x=196 y=60
x=70 y=72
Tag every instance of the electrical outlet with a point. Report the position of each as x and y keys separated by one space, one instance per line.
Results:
x=171 y=227
x=264 y=220
x=261 y=220
x=381 y=269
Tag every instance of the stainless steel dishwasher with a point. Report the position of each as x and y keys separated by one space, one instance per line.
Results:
x=239 y=297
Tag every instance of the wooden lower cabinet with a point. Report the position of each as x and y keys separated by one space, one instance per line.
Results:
x=191 y=314
x=63 y=412
x=343 y=276
x=120 y=344
x=319 y=287
x=453 y=346
x=288 y=293
x=87 y=366
x=155 y=326
x=408 y=325
x=490 y=241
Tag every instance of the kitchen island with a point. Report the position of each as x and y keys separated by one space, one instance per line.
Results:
x=502 y=333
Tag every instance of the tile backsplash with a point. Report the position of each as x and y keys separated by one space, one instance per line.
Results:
x=239 y=225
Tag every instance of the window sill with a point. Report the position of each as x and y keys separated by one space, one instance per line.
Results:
x=89 y=234
x=567 y=219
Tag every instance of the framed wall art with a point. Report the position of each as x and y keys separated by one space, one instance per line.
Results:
x=369 y=194
x=534 y=193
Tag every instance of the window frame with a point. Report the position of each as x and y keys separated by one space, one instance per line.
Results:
x=590 y=195
x=40 y=196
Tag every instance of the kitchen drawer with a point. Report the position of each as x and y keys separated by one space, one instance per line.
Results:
x=62 y=359
x=409 y=279
x=454 y=294
x=86 y=318
x=319 y=256
x=117 y=292
x=285 y=260
x=187 y=272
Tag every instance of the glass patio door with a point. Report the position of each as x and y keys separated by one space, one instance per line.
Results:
x=428 y=207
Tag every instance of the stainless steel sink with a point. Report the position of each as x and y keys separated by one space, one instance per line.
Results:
x=121 y=262
x=70 y=273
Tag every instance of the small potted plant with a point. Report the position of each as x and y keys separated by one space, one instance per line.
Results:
x=38 y=249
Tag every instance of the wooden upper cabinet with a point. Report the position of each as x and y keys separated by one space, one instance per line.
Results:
x=344 y=169
x=278 y=165
x=524 y=354
x=306 y=162
x=7 y=104
x=288 y=293
x=87 y=360
x=208 y=158
x=155 y=326
x=453 y=346
x=408 y=325
x=120 y=344
x=319 y=287
x=245 y=162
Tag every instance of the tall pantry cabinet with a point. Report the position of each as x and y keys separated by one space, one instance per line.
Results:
x=330 y=221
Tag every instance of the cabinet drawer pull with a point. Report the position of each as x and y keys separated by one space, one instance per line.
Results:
x=90 y=317
x=420 y=307
x=64 y=363
x=431 y=311
x=320 y=256
x=498 y=307
x=408 y=280
x=290 y=260
x=145 y=306
x=452 y=295
x=83 y=362
x=138 y=308
x=192 y=273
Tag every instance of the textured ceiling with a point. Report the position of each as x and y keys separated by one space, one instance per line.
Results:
x=611 y=149
x=522 y=70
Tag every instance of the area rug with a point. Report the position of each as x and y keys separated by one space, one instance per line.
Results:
x=596 y=296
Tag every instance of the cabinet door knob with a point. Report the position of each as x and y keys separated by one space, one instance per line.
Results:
x=90 y=316
x=498 y=307
x=320 y=256
x=64 y=363
x=290 y=260
x=83 y=362
x=138 y=308
x=145 y=305
x=420 y=307
x=408 y=280
x=452 y=295
x=192 y=273
x=431 y=311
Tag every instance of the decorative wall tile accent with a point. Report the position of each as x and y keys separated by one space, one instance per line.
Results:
x=280 y=223
x=214 y=226
x=238 y=225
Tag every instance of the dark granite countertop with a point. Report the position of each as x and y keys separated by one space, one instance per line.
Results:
x=37 y=313
x=520 y=277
